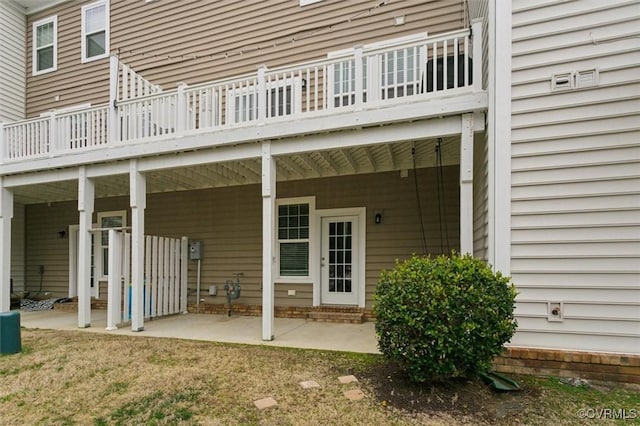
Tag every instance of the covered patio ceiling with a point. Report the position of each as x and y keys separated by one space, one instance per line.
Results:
x=337 y=162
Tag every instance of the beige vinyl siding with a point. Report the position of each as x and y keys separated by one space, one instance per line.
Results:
x=398 y=236
x=575 y=175
x=18 y=247
x=12 y=61
x=45 y=248
x=480 y=197
x=228 y=38
x=74 y=83
x=228 y=221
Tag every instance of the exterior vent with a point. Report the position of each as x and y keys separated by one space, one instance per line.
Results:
x=587 y=78
x=562 y=81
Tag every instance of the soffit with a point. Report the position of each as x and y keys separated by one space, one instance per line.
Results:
x=339 y=162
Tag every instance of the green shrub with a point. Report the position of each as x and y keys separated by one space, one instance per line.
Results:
x=443 y=317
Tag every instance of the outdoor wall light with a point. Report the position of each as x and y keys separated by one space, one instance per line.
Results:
x=378 y=218
x=62 y=234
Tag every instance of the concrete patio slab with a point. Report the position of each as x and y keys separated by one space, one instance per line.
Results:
x=296 y=333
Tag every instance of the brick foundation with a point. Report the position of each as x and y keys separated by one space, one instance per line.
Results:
x=604 y=367
x=284 y=311
x=72 y=305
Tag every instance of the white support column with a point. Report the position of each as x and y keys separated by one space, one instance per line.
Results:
x=466 y=185
x=138 y=198
x=114 y=289
x=6 y=214
x=184 y=274
x=112 y=133
x=268 y=239
x=499 y=135
x=86 y=194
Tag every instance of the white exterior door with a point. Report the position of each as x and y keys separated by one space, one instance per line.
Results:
x=339 y=264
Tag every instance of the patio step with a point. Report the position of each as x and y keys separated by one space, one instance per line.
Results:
x=340 y=317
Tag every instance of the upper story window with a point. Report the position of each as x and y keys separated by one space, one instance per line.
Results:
x=45 y=45
x=95 y=31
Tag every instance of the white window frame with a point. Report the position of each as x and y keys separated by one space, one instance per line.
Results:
x=308 y=2
x=313 y=237
x=34 y=42
x=100 y=275
x=83 y=41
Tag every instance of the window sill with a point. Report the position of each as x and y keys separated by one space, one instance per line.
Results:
x=47 y=71
x=95 y=58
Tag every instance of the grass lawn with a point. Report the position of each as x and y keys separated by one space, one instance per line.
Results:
x=95 y=379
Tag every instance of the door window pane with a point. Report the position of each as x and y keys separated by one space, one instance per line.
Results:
x=340 y=255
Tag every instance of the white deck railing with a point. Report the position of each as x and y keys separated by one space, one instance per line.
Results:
x=165 y=283
x=356 y=79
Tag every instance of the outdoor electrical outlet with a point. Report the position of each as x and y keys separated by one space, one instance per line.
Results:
x=291 y=293
x=555 y=311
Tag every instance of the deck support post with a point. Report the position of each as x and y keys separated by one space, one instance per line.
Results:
x=86 y=200
x=112 y=131
x=138 y=201
x=262 y=94
x=466 y=185
x=3 y=150
x=359 y=78
x=6 y=214
x=268 y=239
x=476 y=33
